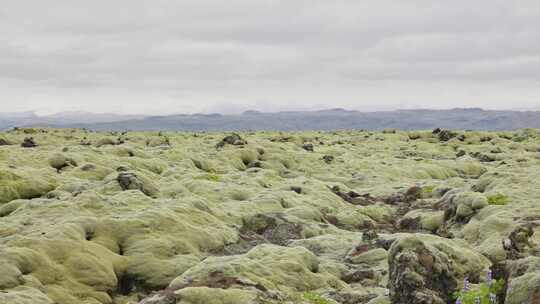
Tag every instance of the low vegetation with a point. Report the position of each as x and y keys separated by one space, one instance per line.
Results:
x=262 y=217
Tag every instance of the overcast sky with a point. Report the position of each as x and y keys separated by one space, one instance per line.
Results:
x=181 y=56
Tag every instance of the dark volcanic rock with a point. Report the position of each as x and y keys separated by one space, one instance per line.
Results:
x=131 y=181
x=328 y=158
x=483 y=157
x=517 y=244
x=273 y=228
x=353 y=197
x=446 y=135
x=233 y=139
x=523 y=281
x=29 y=142
x=296 y=189
x=308 y=147
x=418 y=275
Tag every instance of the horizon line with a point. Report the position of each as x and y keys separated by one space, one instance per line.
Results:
x=36 y=112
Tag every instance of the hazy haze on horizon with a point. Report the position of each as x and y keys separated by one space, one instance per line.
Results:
x=161 y=57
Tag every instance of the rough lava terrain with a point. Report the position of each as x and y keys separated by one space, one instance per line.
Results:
x=347 y=217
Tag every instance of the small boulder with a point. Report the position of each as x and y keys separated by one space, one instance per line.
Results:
x=233 y=139
x=129 y=180
x=296 y=189
x=29 y=142
x=328 y=158
x=446 y=135
x=461 y=206
x=461 y=153
x=59 y=161
x=483 y=157
x=308 y=147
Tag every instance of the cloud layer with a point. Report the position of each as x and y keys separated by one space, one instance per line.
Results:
x=202 y=56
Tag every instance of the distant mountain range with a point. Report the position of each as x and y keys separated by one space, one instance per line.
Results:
x=332 y=119
x=22 y=119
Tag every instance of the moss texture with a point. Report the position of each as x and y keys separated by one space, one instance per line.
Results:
x=89 y=217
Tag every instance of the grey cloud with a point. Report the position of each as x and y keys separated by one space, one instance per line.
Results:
x=310 y=53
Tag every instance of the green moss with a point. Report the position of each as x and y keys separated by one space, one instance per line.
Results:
x=26 y=184
x=24 y=295
x=205 y=295
x=433 y=221
x=73 y=237
x=377 y=212
x=274 y=267
x=428 y=189
x=210 y=177
x=314 y=298
x=434 y=171
x=497 y=199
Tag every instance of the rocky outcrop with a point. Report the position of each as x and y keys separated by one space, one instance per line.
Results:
x=524 y=281
x=426 y=269
x=518 y=245
x=461 y=206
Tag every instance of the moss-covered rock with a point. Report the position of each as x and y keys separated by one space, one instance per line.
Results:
x=524 y=281
x=264 y=222
x=426 y=269
x=274 y=267
x=26 y=183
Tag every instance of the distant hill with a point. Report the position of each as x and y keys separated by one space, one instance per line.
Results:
x=332 y=119
x=8 y=120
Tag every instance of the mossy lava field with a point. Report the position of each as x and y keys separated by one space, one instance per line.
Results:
x=347 y=217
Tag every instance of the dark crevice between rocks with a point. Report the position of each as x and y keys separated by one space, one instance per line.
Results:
x=120 y=249
x=89 y=235
x=296 y=189
x=126 y=285
x=400 y=199
x=500 y=271
x=129 y=284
